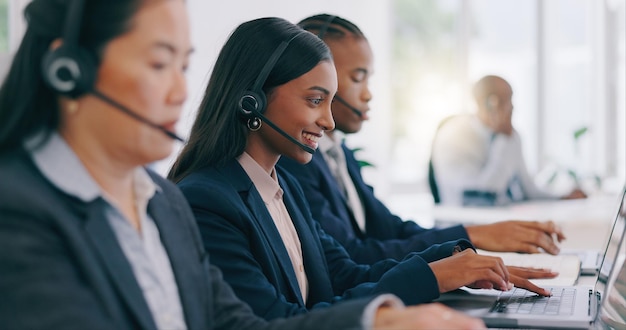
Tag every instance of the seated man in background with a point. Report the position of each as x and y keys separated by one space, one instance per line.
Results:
x=356 y=218
x=477 y=158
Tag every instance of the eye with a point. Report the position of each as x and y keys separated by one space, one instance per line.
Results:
x=158 y=65
x=358 y=76
x=316 y=100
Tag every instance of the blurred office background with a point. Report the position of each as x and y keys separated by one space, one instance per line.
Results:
x=565 y=59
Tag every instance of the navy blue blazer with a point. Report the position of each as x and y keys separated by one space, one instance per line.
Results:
x=386 y=235
x=61 y=266
x=243 y=241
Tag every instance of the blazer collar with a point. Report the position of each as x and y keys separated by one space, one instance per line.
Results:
x=175 y=240
x=259 y=213
x=312 y=255
x=101 y=236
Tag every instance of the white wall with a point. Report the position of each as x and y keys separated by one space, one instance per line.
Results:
x=17 y=26
x=212 y=23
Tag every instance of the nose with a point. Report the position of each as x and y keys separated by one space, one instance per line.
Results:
x=178 y=92
x=326 y=121
x=366 y=95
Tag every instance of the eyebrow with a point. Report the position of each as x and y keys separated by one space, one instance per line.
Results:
x=321 y=89
x=169 y=47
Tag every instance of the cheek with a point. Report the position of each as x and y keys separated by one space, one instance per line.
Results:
x=133 y=88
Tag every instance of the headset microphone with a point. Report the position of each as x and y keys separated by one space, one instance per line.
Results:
x=135 y=115
x=349 y=106
x=283 y=133
x=254 y=102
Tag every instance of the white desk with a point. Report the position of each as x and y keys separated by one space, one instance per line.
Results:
x=585 y=222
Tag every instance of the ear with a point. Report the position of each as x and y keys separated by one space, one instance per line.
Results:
x=56 y=43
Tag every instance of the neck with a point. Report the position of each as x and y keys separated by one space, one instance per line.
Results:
x=261 y=154
x=114 y=177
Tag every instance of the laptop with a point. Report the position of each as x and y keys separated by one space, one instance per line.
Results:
x=570 y=307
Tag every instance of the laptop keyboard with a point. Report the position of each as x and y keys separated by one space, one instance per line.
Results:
x=521 y=301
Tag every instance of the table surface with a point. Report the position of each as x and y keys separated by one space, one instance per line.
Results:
x=585 y=222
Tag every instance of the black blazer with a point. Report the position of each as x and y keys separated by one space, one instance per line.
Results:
x=61 y=266
x=386 y=235
x=244 y=242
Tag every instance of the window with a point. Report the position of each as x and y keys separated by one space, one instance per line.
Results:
x=565 y=60
x=4 y=26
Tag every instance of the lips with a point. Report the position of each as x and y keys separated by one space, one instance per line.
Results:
x=312 y=139
x=170 y=126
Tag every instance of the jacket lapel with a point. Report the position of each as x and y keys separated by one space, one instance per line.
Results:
x=105 y=242
x=180 y=253
x=319 y=158
x=336 y=191
x=312 y=252
x=263 y=220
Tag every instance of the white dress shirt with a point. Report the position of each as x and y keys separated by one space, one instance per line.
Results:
x=468 y=155
x=336 y=159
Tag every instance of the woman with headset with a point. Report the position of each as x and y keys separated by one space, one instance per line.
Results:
x=269 y=96
x=363 y=224
x=90 y=238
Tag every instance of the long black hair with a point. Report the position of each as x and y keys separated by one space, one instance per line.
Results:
x=219 y=133
x=27 y=105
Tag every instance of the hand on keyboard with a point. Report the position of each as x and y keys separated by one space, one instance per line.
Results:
x=519 y=277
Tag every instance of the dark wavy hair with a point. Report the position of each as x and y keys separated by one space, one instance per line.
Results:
x=218 y=133
x=27 y=105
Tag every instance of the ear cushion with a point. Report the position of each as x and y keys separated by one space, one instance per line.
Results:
x=492 y=102
x=252 y=102
x=69 y=71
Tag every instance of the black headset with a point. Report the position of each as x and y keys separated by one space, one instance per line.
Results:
x=70 y=70
x=325 y=26
x=253 y=102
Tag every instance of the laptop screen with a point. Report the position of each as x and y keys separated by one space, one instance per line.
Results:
x=612 y=287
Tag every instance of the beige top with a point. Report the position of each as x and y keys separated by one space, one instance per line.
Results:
x=272 y=195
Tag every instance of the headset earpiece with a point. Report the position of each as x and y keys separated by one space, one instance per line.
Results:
x=491 y=102
x=69 y=70
x=252 y=102
x=329 y=20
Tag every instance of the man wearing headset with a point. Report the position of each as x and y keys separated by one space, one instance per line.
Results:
x=478 y=159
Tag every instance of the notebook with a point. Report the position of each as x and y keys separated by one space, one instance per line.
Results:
x=569 y=307
x=568 y=265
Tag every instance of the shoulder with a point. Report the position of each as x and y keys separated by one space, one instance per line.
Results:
x=456 y=122
x=21 y=181
x=212 y=187
x=460 y=130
